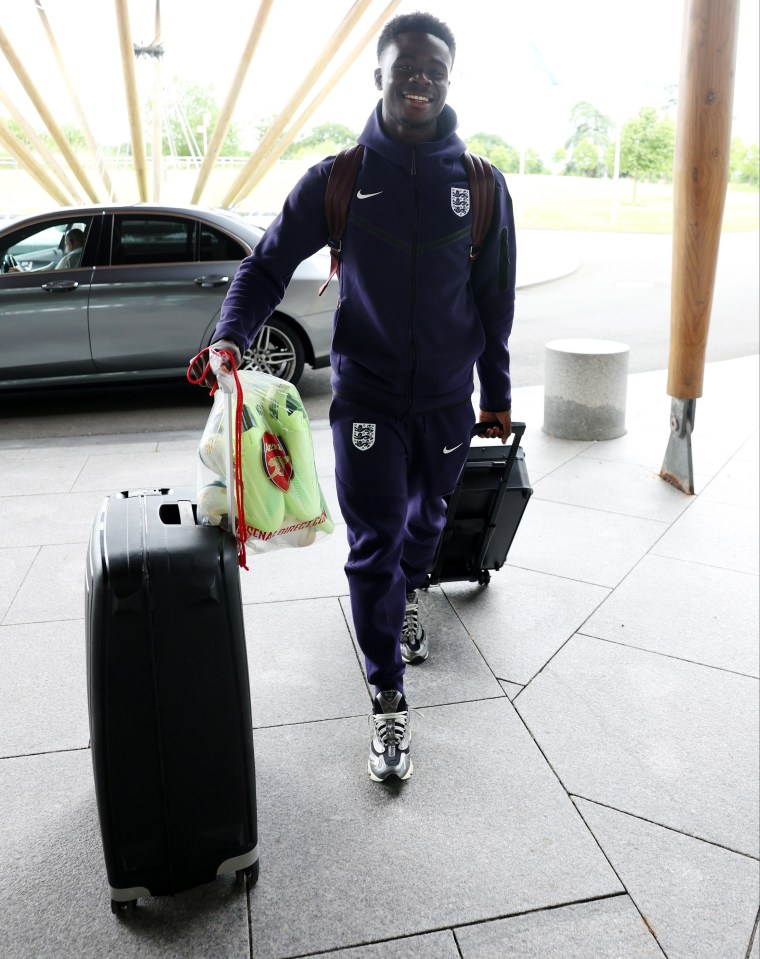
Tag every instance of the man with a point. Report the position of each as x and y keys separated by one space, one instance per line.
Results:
x=73 y=244
x=414 y=317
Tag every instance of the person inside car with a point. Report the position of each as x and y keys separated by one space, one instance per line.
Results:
x=73 y=244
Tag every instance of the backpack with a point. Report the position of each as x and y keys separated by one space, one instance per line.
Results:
x=340 y=185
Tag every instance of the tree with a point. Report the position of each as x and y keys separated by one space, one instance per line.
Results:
x=326 y=139
x=586 y=147
x=646 y=147
x=498 y=151
x=186 y=107
x=745 y=162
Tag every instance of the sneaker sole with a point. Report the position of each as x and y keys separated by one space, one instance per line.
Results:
x=415 y=660
x=381 y=779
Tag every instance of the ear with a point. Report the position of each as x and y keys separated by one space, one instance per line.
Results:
x=379 y=78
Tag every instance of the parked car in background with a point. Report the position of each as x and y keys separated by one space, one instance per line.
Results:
x=144 y=296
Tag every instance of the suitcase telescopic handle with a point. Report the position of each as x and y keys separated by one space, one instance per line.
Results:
x=518 y=428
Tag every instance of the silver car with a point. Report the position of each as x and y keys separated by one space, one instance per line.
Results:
x=141 y=296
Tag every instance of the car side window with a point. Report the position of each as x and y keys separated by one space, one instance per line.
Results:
x=216 y=245
x=146 y=240
x=50 y=245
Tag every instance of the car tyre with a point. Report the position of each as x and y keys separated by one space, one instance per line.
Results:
x=276 y=349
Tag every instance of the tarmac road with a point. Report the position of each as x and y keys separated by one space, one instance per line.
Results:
x=620 y=291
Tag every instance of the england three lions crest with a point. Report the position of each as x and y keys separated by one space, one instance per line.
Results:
x=460 y=201
x=363 y=435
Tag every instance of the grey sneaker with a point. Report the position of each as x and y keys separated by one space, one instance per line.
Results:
x=414 y=646
x=389 y=749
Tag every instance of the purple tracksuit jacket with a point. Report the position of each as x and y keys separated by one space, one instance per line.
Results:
x=413 y=317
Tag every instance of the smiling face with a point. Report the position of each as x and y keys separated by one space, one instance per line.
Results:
x=414 y=78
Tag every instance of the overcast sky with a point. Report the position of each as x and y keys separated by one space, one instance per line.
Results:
x=520 y=66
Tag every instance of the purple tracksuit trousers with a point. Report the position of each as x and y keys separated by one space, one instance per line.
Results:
x=391 y=476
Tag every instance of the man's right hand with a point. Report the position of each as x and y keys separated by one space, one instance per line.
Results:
x=202 y=363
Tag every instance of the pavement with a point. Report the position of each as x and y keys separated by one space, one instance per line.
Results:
x=585 y=731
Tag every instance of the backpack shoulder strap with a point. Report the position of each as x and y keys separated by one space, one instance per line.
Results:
x=340 y=184
x=482 y=187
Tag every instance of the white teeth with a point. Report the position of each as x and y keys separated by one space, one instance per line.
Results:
x=410 y=96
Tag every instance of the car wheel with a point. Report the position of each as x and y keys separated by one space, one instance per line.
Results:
x=277 y=349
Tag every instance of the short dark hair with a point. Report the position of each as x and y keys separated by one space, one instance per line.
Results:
x=416 y=23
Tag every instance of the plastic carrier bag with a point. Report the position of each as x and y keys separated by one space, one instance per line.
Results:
x=274 y=474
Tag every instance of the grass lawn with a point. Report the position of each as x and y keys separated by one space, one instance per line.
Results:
x=541 y=202
x=576 y=203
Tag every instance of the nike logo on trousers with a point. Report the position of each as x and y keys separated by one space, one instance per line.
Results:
x=447 y=450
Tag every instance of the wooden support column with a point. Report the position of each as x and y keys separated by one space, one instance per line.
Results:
x=81 y=116
x=284 y=142
x=238 y=188
x=225 y=115
x=33 y=167
x=133 y=104
x=47 y=117
x=42 y=148
x=700 y=178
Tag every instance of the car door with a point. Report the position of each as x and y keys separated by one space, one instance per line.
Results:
x=43 y=310
x=153 y=300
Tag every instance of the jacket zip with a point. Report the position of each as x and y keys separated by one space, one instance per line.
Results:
x=413 y=282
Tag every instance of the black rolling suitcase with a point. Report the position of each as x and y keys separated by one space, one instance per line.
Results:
x=169 y=702
x=484 y=512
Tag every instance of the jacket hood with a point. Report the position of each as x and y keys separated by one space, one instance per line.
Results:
x=447 y=148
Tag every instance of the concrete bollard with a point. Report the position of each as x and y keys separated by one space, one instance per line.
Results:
x=585 y=389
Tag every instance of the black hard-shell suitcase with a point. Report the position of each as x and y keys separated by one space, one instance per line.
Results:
x=484 y=512
x=169 y=702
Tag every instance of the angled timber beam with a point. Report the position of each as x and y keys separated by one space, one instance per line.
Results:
x=238 y=187
x=41 y=147
x=83 y=123
x=225 y=115
x=133 y=104
x=33 y=167
x=700 y=178
x=47 y=117
x=284 y=142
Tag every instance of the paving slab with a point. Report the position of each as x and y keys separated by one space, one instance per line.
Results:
x=588 y=545
x=302 y=663
x=749 y=452
x=41 y=471
x=737 y=483
x=623 y=488
x=50 y=519
x=755 y=953
x=14 y=565
x=608 y=929
x=291 y=574
x=493 y=835
x=434 y=945
x=43 y=706
x=53 y=883
x=53 y=588
x=455 y=670
x=699 y=900
x=716 y=534
x=123 y=470
x=660 y=738
x=699 y=613
x=520 y=620
x=511 y=689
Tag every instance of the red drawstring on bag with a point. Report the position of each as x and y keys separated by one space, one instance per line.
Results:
x=242 y=526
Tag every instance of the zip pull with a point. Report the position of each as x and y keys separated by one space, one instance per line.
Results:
x=414 y=162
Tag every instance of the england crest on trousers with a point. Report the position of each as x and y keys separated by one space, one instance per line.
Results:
x=460 y=201
x=363 y=435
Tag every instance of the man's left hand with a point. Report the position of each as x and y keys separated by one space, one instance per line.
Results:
x=503 y=429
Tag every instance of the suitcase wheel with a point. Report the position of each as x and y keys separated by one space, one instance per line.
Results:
x=248 y=876
x=118 y=907
x=484 y=578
